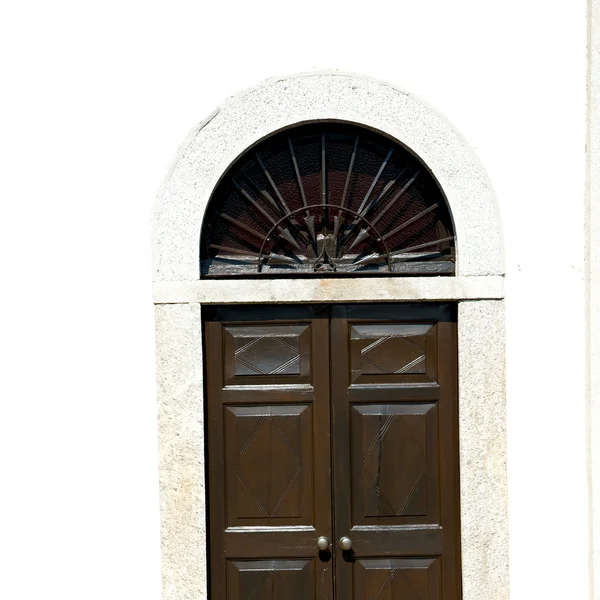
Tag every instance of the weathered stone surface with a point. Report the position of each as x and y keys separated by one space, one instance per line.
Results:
x=247 y=118
x=181 y=451
x=378 y=289
x=482 y=441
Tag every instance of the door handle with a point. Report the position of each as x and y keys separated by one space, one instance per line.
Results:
x=345 y=543
x=322 y=543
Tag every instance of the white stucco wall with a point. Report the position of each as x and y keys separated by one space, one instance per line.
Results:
x=98 y=98
x=593 y=288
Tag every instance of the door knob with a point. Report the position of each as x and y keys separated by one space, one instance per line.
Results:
x=345 y=543
x=322 y=543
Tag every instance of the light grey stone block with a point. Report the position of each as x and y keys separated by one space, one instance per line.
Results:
x=181 y=451
x=482 y=441
x=376 y=289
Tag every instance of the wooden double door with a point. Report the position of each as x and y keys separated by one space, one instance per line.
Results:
x=333 y=426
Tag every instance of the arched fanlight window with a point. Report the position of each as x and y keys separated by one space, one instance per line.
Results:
x=327 y=199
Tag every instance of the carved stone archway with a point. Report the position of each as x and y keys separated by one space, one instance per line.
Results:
x=239 y=124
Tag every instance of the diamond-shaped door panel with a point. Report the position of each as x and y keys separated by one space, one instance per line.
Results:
x=268 y=467
x=398 y=579
x=258 y=352
x=278 y=579
x=394 y=463
x=392 y=353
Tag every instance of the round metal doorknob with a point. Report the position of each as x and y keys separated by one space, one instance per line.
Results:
x=322 y=543
x=345 y=543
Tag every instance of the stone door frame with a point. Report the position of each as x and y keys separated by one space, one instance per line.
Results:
x=478 y=288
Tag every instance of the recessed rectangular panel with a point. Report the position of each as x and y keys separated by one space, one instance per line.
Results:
x=268 y=463
x=397 y=579
x=270 y=580
x=394 y=463
x=259 y=353
x=392 y=353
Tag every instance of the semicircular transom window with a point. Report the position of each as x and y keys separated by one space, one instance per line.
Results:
x=327 y=199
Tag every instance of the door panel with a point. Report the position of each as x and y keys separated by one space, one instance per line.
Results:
x=267 y=465
x=398 y=579
x=271 y=580
x=269 y=452
x=267 y=353
x=392 y=352
x=352 y=402
x=394 y=464
x=394 y=450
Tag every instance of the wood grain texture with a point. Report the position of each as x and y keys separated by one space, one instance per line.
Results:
x=321 y=451
x=398 y=579
x=395 y=451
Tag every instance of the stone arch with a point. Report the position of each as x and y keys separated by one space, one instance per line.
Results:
x=249 y=117
x=240 y=123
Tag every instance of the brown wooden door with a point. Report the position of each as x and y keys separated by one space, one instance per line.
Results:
x=332 y=421
x=395 y=451
x=269 y=452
